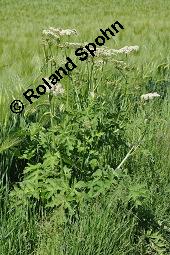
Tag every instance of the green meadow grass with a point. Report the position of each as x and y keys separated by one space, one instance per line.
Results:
x=133 y=216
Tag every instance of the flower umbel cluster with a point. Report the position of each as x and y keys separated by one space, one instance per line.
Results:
x=149 y=96
x=105 y=52
x=56 y=89
x=128 y=49
x=58 y=32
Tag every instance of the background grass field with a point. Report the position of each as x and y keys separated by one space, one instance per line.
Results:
x=132 y=216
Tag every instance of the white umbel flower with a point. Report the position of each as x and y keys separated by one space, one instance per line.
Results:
x=56 y=89
x=68 y=32
x=57 y=33
x=128 y=49
x=62 y=32
x=149 y=96
x=104 y=52
x=51 y=34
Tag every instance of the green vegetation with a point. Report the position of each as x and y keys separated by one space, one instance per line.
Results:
x=85 y=168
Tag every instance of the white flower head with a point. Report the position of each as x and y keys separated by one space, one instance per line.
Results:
x=128 y=49
x=57 y=33
x=50 y=34
x=56 y=89
x=104 y=52
x=68 y=32
x=62 y=32
x=149 y=96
